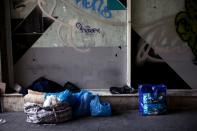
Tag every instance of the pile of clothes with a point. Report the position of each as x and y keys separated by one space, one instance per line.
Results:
x=48 y=102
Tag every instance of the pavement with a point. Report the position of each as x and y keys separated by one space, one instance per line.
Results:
x=128 y=121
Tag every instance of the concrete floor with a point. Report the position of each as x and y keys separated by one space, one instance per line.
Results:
x=129 y=121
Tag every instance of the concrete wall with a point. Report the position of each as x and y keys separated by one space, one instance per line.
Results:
x=99 y=68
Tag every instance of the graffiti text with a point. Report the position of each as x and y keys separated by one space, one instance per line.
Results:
x=87 y=29
x=96 y=5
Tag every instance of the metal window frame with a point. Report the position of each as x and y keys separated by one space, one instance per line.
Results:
x=6 y=45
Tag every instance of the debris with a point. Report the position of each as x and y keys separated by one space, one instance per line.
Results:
x=2 y=121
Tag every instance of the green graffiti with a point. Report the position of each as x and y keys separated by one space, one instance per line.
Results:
x=186 y=25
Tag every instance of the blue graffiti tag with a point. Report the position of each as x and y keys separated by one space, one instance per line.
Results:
x=87 y=29
x=92 y=4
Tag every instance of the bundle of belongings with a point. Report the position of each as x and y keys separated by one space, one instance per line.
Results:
x=46 y=104
x=51 y=114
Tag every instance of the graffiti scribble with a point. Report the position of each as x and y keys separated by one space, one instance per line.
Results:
x=87 y=29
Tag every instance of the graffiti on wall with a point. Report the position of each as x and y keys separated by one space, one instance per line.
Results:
x=186 y=25
x=96 y=5
x=86 y=29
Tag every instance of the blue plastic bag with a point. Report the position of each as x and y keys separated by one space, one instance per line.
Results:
x=80 y=102
x=152 y=99
x=100 y=108
x=82 y=106
x=83 y=103
x=64 y=96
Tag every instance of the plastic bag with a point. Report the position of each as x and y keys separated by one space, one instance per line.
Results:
x=152 y=99
x=100 y=108
x=80 y=102
x=82 y=106
x=64 y=96
x=50 y=101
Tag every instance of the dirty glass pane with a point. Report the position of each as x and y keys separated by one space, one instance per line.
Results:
x=164 y=42
x=82 y=41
